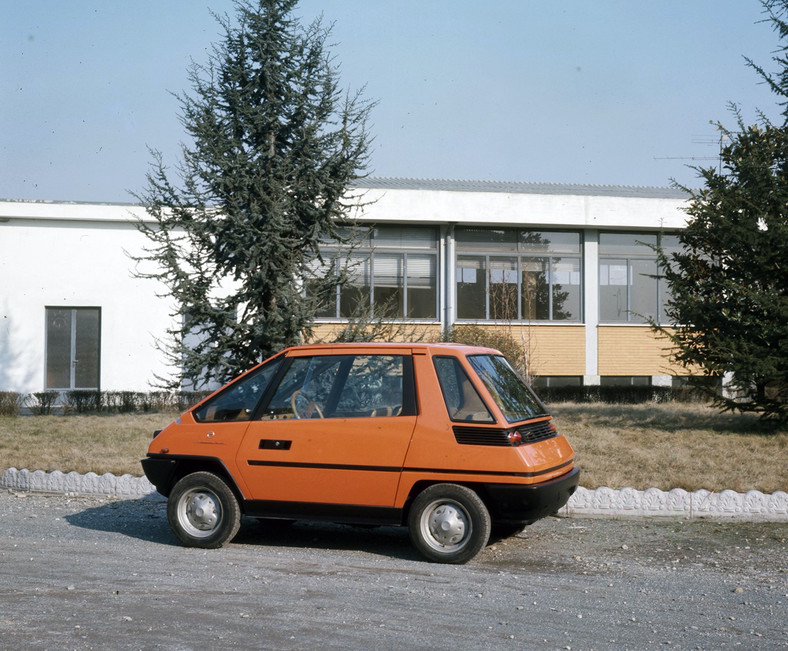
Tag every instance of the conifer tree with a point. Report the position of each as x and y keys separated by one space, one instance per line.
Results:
x=729 y=284
x=273 y=146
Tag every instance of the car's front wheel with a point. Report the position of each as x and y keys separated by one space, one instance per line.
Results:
x=449 y=523
x=203 y=511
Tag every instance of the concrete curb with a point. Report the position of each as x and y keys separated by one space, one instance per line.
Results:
x=752 y=506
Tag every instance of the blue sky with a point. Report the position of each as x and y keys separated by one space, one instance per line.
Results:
x=610 y=92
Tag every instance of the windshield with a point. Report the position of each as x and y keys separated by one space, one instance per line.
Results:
x=512 y=395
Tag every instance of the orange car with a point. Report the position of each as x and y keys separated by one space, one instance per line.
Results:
x=446 y=439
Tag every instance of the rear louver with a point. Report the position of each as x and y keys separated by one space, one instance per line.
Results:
x=468 y=435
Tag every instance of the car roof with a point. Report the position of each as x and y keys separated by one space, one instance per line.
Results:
x=360 y=347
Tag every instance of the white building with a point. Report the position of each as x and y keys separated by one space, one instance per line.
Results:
x=565 y=261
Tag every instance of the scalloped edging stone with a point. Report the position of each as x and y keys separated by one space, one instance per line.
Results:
x=625 y=502
x=752 y=506
x=76 y=484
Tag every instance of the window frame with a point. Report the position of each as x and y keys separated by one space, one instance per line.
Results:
x=644 y=252
x=515 y=248
x=72 y=347
x=366 y=254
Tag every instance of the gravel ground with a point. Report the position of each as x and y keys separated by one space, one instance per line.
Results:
x=98 y=572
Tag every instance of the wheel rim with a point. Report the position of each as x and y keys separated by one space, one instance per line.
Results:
x=445 y=526
x=199 y=513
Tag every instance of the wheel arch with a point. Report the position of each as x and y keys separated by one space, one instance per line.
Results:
x=419 y=486
x=168 y=470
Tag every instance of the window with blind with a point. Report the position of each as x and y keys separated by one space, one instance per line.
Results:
x=629 y=288
x=518 y=275
x=393 y=274
x=73 y=345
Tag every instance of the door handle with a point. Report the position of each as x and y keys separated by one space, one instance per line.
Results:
x=274 y=444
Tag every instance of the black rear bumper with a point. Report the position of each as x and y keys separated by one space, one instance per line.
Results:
x=529 y=503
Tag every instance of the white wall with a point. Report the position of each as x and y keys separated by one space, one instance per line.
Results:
x=72 y=255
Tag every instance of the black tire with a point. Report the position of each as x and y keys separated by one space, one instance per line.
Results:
x=449 y=523
x=501 y=530
x=203 y=511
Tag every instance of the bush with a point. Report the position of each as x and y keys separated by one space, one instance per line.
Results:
x=122 y=402
x=10 y=403
x=476 y=336
x=629 y=395
x=83 y=402
x=41 y=402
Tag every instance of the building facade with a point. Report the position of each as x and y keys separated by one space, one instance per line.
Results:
x=567 y=270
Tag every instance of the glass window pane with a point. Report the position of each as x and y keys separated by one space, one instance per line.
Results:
x=486 y=239
x=405 y=237
x=422 y=286
x=388 y=272
x=58 y=375
x=462 y=400
x=320 y=286
x=503 y=289
x=355 y=294
x=471 y=288
x=613 y=290
x=239 y=400
x=626 y=244
x=549 y=242
x=670 y=244
x=643 y=293
x=305 y=389
x=86 y=348
x=373 y=387
x=535 y=289
x=566 y=289
x=514 y=398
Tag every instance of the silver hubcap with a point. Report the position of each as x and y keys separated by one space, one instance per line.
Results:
x=199 y=513
x=445 y=526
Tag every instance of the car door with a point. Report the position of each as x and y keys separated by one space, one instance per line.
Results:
x=334 y=431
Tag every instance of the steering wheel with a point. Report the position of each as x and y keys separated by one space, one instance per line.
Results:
x=303 y=407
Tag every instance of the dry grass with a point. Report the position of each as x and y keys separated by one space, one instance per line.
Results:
x=673 y=446
x=83 y=443
x=665 y=446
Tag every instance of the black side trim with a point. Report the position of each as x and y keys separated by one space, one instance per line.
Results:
x=347 y=513
x=323 y=466
x=453 y=471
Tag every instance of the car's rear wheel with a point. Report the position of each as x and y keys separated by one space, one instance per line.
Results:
x=449 y=523
x=203 y=511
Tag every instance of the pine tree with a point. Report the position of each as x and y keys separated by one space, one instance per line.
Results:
x=729 y=284
x=274 y=145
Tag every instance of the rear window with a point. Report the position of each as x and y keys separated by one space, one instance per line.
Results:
x=510 y=392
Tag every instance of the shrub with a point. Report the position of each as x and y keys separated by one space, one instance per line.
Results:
x=83 y=402
x=41 y=403
x=499 y=340
x=10 y=403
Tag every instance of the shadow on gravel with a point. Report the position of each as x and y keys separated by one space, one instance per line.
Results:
x=391 y=542
x=146 y=519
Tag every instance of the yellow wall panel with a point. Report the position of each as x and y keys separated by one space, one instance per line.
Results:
x=633 y=350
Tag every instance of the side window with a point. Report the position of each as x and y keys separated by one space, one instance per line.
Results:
x=307 y=386
x=463 y=402
x=344 y=386
x=374 y=387
x=239 y=400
